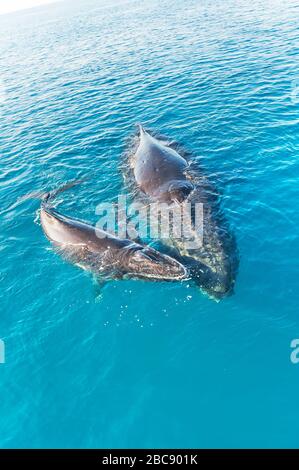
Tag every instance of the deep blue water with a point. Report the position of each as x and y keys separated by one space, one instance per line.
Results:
x=150 y=364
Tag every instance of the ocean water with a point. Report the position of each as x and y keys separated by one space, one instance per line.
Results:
x=140 y=364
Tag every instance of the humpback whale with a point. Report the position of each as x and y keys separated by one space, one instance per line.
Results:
x=101 y=253
x=161 y=174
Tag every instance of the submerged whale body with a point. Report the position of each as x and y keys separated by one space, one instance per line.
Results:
x=162 y=175
x=104 y=254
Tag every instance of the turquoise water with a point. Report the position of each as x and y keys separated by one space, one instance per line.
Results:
x=142 y=364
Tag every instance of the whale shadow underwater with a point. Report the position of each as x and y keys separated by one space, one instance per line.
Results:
x=155 y=170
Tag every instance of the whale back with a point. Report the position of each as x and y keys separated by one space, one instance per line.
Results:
x=64 y=232
x=157 y=167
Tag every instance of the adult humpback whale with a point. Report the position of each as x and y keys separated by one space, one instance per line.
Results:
x=161 y=174
x=101 y=253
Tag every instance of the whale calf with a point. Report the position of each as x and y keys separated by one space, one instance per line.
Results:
x=101 y=253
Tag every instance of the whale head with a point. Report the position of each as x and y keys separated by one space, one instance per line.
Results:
x=180 y=190
x=148 y=263
x=216 y=285
x=174 y=191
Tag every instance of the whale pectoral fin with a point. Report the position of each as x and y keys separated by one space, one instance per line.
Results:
x=99 y=286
